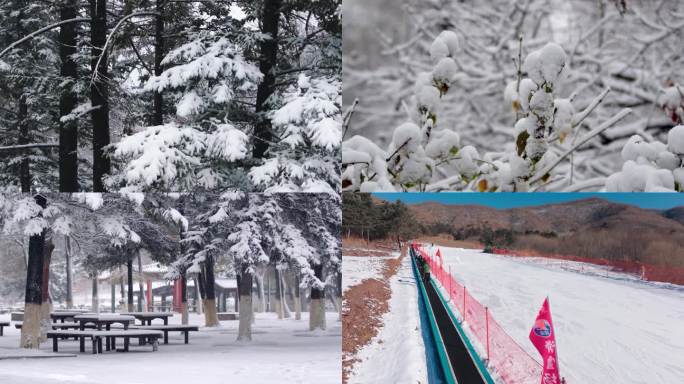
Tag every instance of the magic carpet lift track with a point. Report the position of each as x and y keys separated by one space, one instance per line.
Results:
x=457 y=358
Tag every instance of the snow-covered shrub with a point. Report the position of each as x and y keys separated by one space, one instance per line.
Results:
x=309 y=127
x=651 y=167
x=426 y=155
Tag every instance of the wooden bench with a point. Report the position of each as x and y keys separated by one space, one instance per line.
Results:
x=3 y=324
x=68 y=325
x=152 y=337
x=227 y=316
x=184 y=329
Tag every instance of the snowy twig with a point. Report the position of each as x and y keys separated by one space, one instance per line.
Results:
x=597 y=182
x=28 y=146
x=580 y=116
x=619 y=116
x=397 y=150
x=45 y=29
x=347 y=117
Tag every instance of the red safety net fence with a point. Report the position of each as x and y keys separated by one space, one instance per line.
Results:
x=505 y=358
x=649 y=272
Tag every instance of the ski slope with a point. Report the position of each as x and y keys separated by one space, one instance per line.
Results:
x=608 y=329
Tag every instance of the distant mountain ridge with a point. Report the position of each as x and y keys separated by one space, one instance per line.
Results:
x=561 y=218
x=591 y=228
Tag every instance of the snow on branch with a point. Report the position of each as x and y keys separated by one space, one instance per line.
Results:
x=42 y=30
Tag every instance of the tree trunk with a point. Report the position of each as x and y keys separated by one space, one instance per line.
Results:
x=33 y=298
x=237 y=294
x=185 y=317
x=99 y=93
x=246 y=310
x=158 y=117
x=261 y=301
x=129 y=272
x=96 y=295
x=198 y=296
x=317 y=306
x=278 y=293
x=267 y=61
x=338 y=290
x=113 y=295
x=298 y=298
x=24 y=166
x=68 y=131
x=142 y=305
x=46 y=305
x=69 y=284
x=285 y=290
x=122 y=290
x=210 y=315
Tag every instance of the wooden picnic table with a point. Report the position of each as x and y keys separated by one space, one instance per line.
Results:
x=2 y=325
x=62 y=316
x=103 y=320
x=147 y=317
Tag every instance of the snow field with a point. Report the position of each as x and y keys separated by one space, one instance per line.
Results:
x=281 y=351
x=397 y=353
x=355 y=269
x=612 y=329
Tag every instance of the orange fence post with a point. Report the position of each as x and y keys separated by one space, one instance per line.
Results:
x=464 y=307
x=487 y=326
x=450 y=282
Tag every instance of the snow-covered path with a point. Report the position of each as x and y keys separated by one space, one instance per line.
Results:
x=281 y=351
x=397 y=354
x=608 y=330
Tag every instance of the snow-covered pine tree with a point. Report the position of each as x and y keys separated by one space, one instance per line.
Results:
x=29 y=76
x=308 y=125
x=205 y=78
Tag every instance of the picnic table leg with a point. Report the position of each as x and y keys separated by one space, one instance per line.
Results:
x=81 y=344
x=166 y=336
x=114 y=343
x=126 y=341
x=186 y=336
x=94 y=339
x=2 y=330
x=54 y=344
x=166 y=321
x=107 y=327
x=155 y=344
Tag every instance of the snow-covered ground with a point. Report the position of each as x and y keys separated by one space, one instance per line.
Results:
x=281 y=351
x=609 y=328
x=358 y=268
x=397 y=354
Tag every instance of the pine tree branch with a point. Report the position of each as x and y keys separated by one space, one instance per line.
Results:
x=42 y=30
x=28 y=146
x=109 y=38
